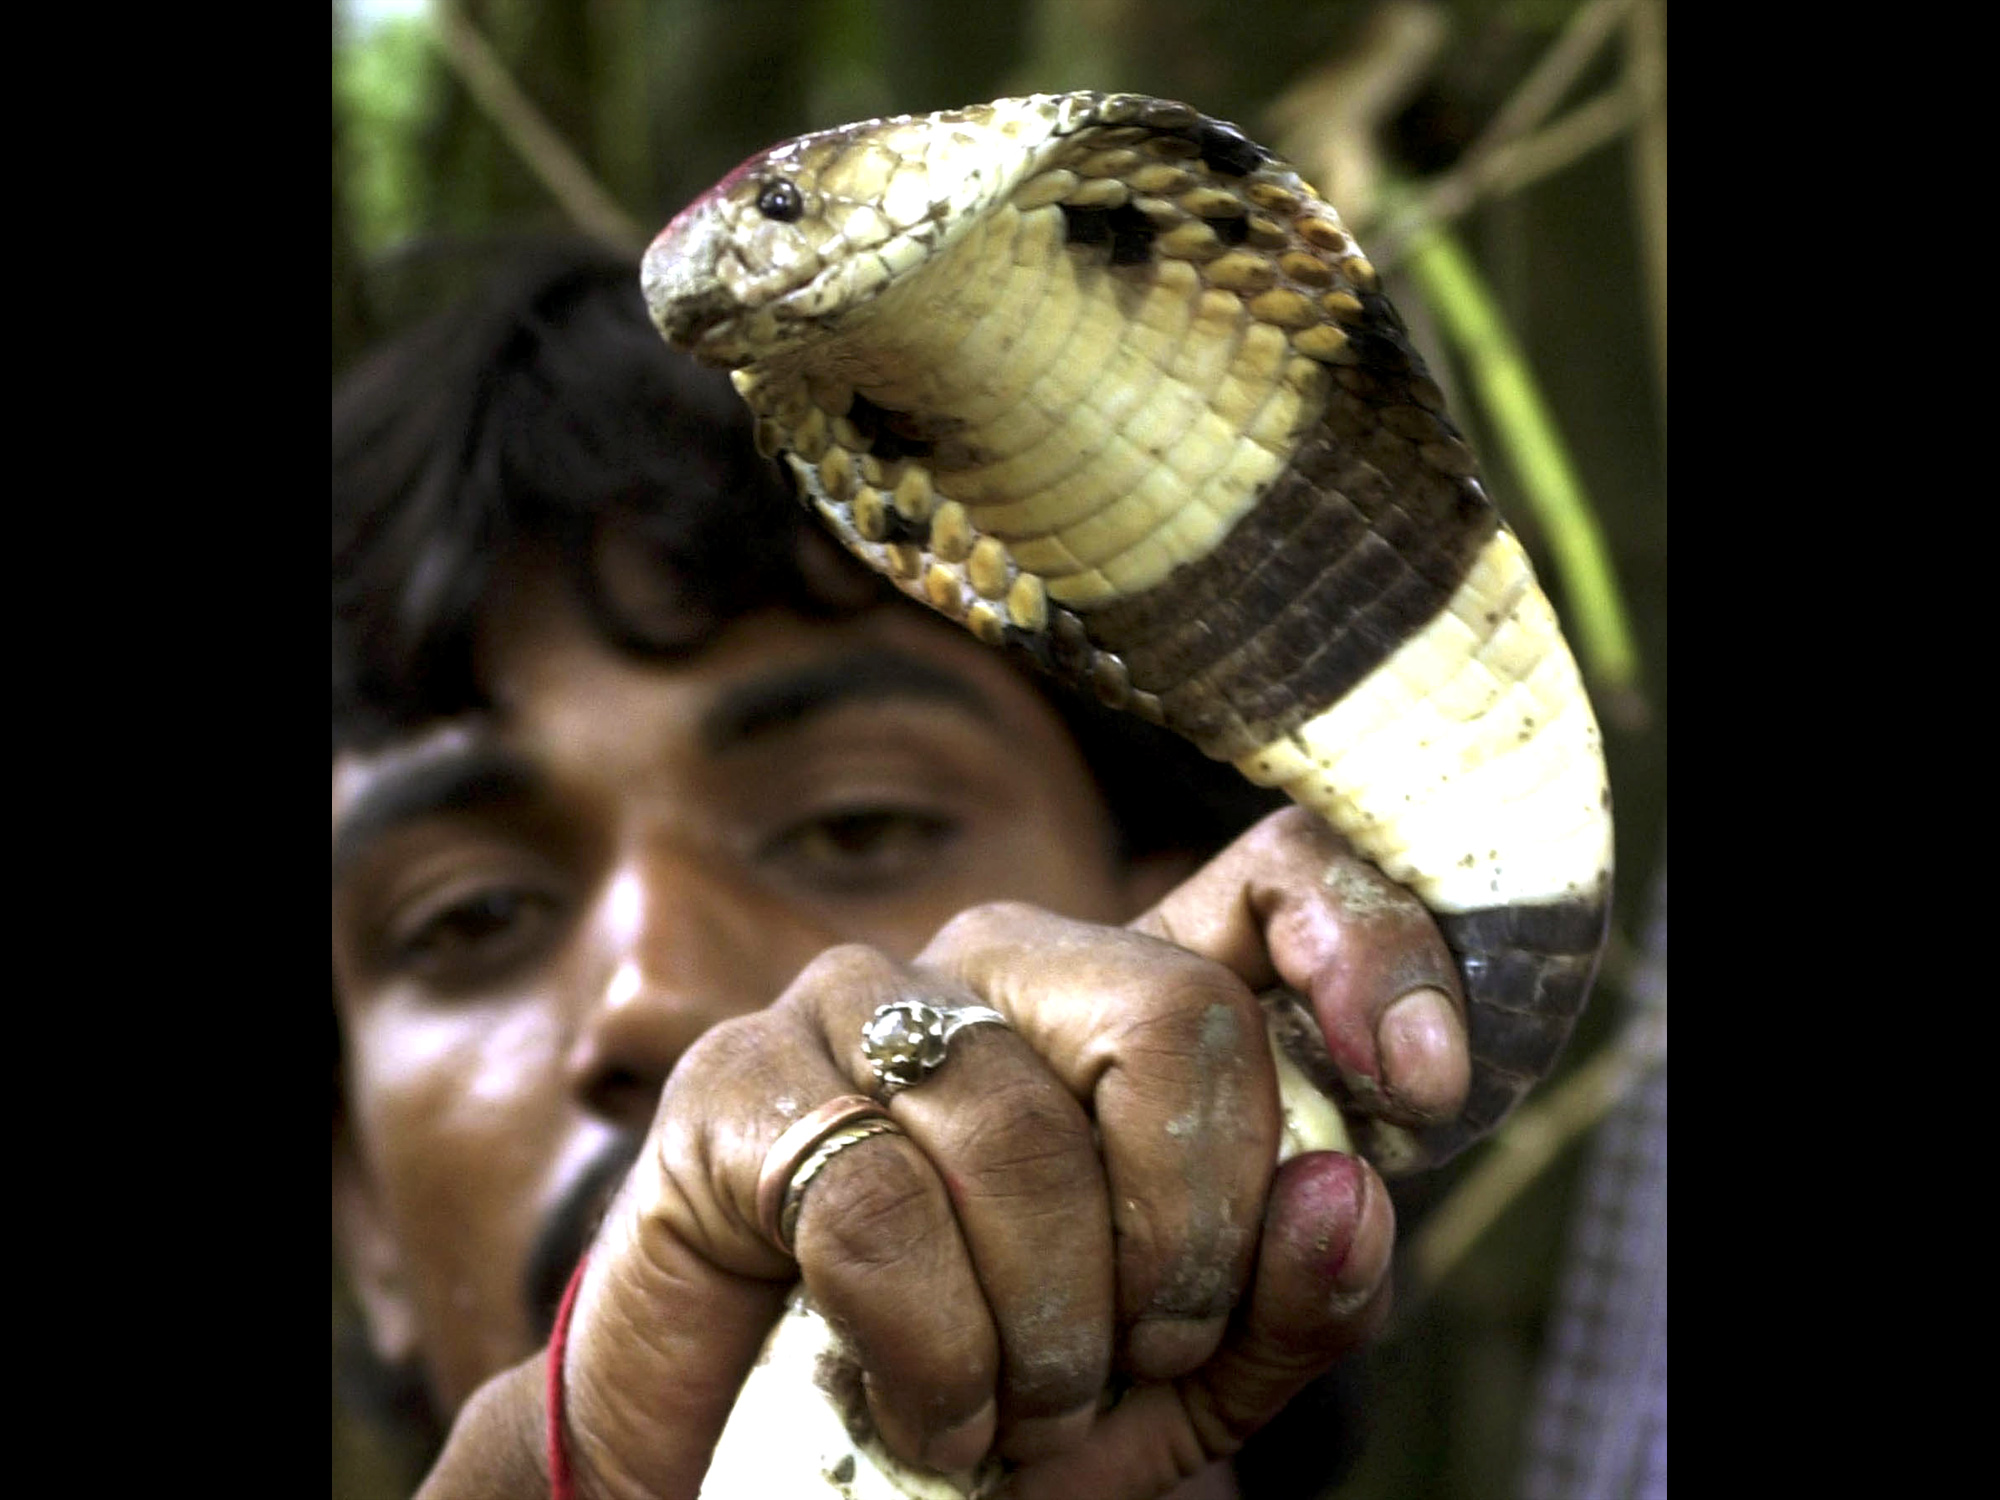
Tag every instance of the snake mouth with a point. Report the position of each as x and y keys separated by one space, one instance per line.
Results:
x=691 y=324
x=693 y=312
x=725 y=307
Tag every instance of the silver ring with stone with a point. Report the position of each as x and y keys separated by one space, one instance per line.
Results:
x=906 y=1041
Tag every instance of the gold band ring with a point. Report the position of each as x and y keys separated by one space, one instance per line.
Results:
x=798 y=1155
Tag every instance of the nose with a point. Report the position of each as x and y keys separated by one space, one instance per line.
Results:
x=679 y=943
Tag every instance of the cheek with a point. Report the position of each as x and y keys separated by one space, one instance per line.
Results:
x=462 y=1117
x=452 y=1079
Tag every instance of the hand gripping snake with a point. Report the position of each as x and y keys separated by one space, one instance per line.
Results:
x=1105 y=382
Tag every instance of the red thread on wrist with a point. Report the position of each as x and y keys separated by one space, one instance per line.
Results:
x=562 y=1486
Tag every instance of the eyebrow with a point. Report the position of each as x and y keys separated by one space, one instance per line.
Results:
x=768 y=705
x=462 y=780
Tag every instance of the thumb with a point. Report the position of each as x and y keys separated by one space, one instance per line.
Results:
x=660 y=1341
x=1290 y=901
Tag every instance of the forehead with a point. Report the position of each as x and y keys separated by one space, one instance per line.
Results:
x=548 y=670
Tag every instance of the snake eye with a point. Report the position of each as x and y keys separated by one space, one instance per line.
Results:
x=781 y=201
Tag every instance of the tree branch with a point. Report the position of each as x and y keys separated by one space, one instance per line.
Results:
x=472 y=58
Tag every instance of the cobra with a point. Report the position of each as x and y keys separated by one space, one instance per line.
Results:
x=1107 y=383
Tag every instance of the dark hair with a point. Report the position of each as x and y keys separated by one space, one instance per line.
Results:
x=548 y=414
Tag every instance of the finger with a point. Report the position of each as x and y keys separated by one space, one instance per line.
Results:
x=1168 y=1053
x=881 y=1250
x=1019 y=1162
x=1322 y=1289
x=655 y=1315
x=682 y=1286
x=1022 y=1170
x=884 y=1261
x=1291 y=901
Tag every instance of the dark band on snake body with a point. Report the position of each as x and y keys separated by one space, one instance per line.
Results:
x=1304 y=599
x=1219 y=144
x=1531 y=990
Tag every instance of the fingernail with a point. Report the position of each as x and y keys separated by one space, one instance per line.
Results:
x=964 y=1445
x=1033 y=1438
x=1423 y=1062
x=1163 y=1348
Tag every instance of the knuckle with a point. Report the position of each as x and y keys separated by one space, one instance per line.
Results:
x=738 y=1055
x=1371 y=894
x=1203 y=1261
x=977 y=926
x=1341 y=877
x=1398 y=941
x=1188 y=1007
x=1201 y=1059
x=846 y=965
x=1291 y=832
x=1221 y=1425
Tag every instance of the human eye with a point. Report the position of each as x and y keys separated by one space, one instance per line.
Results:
x=862 y=847
x=473 y=929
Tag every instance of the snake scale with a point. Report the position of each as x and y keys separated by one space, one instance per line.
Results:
x=1110 y=385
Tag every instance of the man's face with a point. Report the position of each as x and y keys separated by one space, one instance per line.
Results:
x=536 y=910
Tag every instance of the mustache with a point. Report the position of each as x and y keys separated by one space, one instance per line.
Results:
x=569 y=1229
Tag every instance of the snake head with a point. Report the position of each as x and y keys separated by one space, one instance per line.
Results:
x=715 y=275
x=802 y=235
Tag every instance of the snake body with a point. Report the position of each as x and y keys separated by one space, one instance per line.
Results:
x=1104 y=381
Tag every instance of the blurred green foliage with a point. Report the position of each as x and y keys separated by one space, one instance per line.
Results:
x=381 y=99
x=658 y=98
